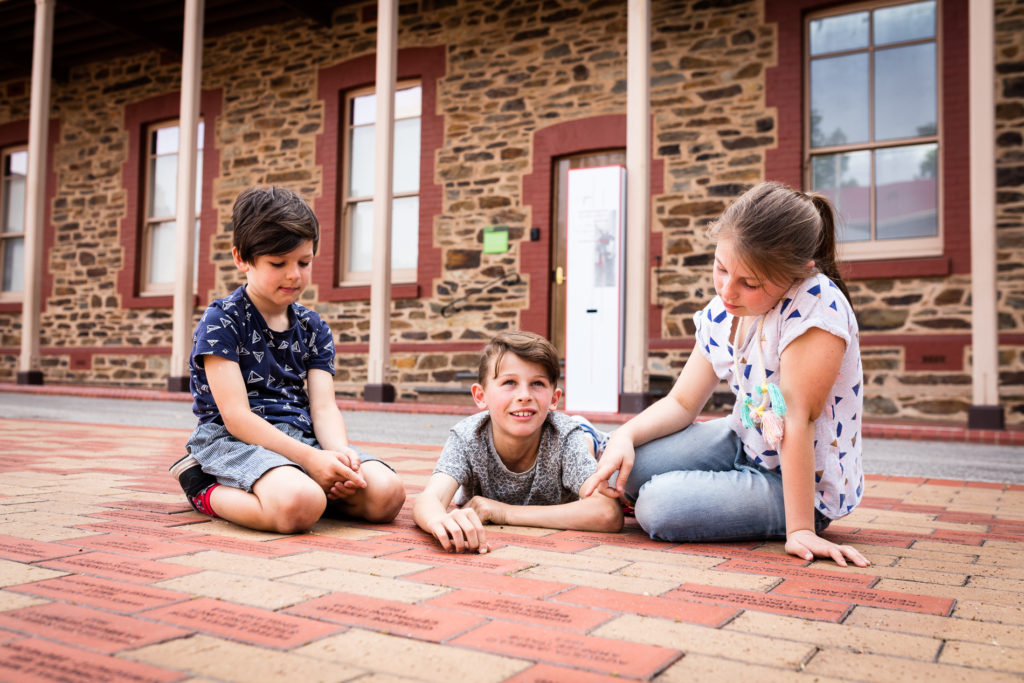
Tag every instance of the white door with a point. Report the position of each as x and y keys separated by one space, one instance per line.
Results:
x=595 y=224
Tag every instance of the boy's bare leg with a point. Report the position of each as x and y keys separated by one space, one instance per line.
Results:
x=381 y=500
x=284 y=500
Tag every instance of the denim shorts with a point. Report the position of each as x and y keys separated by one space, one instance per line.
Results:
x=697 y=485
x=239 y=464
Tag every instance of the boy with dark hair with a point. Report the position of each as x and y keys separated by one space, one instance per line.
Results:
x=518 y=462
x=271 y=451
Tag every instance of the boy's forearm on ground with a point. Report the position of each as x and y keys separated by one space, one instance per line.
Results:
x=596 y=513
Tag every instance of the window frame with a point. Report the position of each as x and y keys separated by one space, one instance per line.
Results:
x=10 y=296
x=138 y=117
x=428 y=64
x=146 y=289
x=875 y=249
x=346 y=277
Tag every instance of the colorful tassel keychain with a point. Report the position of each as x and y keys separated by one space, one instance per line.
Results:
x=770 y=411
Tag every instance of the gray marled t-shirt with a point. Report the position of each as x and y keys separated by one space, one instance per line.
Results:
x=563 y=463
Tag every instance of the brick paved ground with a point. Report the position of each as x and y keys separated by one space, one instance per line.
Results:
x=107 y=575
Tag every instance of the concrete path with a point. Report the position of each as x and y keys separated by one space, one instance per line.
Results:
x=937 y=459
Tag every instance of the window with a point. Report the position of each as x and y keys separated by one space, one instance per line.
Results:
x=872 y=129
x=161 y=182
x=12 y=223
x=356 y=245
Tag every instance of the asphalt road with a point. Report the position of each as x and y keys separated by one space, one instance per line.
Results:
x=943 y=460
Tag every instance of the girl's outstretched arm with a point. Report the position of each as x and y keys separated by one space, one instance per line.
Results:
x=809 y=368
x=666 y=416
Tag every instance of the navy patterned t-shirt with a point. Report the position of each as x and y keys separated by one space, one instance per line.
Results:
x=273 y=364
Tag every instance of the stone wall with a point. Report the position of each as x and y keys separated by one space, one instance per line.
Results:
x=511 y=69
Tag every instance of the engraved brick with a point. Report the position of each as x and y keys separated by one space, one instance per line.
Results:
x=497 y=583
x=85 y=627
x=736 y=551
x=104 y=593
x=398 y=618
x=40 y=660
x=570 y=649
x=127 y=545
x=249 y=624
x=512 y=608
x=866 y=596
x=118 y=567
x=777 y=569
x=764 y=602
x=27 y=550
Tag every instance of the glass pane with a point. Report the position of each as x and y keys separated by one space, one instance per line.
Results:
x=165 y=140
x=839 y=100
x=360 y=175
x=905 y=92
x=405 y=232
x=905 y=22
x=407 y=102
x=161 y=253
x=17 y=163
x=835 y=34
x=360 y=238
x=14 y=264
x=907 y=191
x=199 y=182
x=14 y=205
x=364 y=109
x=163 y=184
x=406 y=172
x=846 y=180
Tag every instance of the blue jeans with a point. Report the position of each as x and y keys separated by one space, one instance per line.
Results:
x=697 y=485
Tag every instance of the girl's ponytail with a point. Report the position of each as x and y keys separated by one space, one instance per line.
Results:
x=826 y=256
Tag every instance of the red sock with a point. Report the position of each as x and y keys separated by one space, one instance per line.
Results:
x=202 y=501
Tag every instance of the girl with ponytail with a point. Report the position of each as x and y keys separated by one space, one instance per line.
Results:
x=782 y=333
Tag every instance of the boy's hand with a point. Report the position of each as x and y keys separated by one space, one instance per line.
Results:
x=460 y=530
x=487 y=510
x=807 y=545
x=337 y=473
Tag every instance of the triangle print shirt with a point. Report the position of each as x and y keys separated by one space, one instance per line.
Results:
x=814 y=302
x=274 y=364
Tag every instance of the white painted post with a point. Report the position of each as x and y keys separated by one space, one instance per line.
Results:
x=377 y=387
x=635 y=376
x=29 y=362
x=185 y=209
x=985 y=411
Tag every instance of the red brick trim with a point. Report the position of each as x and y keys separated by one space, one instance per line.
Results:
x=784 y=163
x=136 y=117
x=427 y=64
x=562 y=139
x=16 y=133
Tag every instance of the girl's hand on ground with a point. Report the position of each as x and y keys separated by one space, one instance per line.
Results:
x=487 y=510
x=618 y=456
x=807 y=545
x=460 y=530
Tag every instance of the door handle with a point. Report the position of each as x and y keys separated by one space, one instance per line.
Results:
x=559 y=275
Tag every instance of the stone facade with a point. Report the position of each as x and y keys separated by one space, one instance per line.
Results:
x=510 y=71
